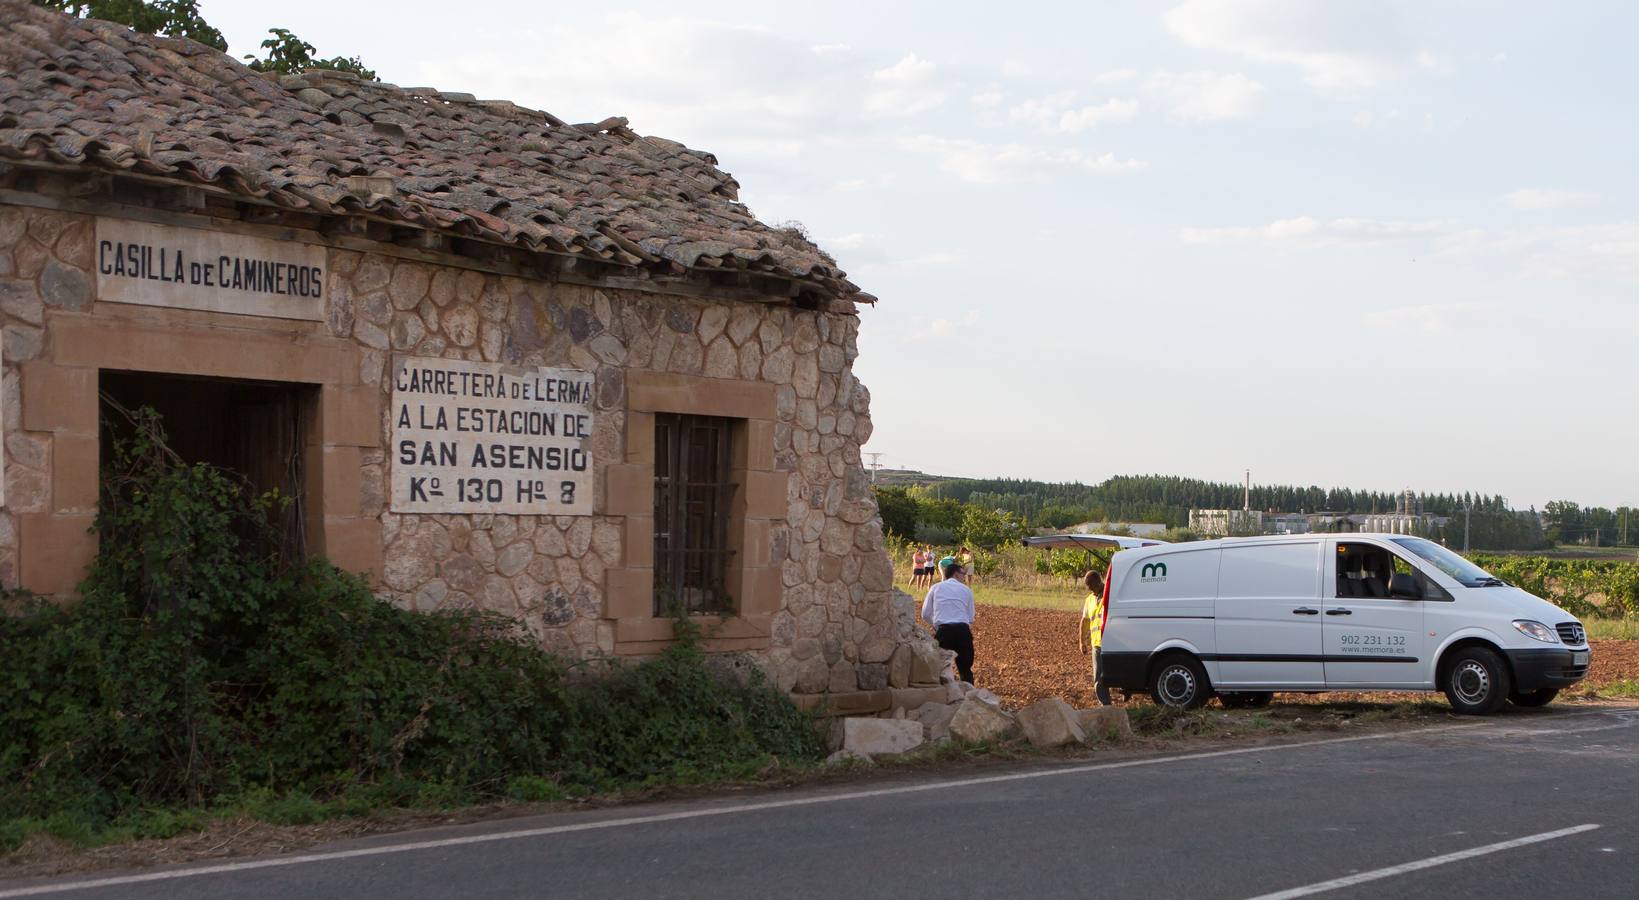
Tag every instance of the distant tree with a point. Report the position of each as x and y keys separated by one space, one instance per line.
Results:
x=899 y=512
x=289 y=54
x=1562 y=520
x=989 y=528
x=1058 y=517
x=285 y=52
x=941 y=513
x=173 y=18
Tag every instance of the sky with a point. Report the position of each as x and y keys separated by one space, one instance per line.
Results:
x=1367 y=244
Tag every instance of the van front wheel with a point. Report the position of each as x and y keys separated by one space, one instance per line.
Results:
x=1180 y=683
x=1476 y=681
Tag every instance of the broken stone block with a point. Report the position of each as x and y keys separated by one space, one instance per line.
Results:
x=1050 y=723
x=927 y=661
x=1105 y=721
x=899 y=667
x=981 y=695
x=977 y=722
x=876 y=737
x=935 y=719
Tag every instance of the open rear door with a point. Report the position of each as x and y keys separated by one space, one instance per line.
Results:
x=1088 y=542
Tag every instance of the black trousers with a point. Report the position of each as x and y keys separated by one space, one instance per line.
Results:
x=1100 y=689
x=958 y=637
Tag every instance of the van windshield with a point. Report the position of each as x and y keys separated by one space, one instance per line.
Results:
x=1466 y=573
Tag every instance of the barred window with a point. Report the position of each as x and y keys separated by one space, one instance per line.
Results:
x=693 y=489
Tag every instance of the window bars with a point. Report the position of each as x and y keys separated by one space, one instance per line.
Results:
x=693 y=489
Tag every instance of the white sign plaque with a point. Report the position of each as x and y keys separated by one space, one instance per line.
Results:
x=192 y=268
x=471 y=437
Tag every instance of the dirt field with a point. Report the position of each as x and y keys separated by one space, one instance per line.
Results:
x=1024 y=655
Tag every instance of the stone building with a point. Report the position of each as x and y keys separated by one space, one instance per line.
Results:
x=501 y=360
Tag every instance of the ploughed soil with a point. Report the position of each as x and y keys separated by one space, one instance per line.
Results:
x=1025 y=655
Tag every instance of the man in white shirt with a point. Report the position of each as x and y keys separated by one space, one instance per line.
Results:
x=948 y=607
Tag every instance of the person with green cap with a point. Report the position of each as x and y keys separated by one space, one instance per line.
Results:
x=948 y=607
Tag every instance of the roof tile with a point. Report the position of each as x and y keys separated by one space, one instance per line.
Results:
x=99 y=95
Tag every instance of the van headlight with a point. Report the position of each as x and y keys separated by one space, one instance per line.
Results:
x=1536 y=631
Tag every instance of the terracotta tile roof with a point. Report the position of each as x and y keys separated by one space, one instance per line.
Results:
x=95 y=95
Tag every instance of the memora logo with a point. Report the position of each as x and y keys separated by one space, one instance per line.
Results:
x=1156 y=571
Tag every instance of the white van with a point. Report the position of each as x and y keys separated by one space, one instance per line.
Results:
x=1245 y=617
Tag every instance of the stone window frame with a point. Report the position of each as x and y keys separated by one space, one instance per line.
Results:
x=694 y=480
x=758 y=507
x=60 y=398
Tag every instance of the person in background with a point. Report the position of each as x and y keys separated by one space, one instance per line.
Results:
x=964 y=557
x=1090 y=631
x=948 y=607
x=919 y=562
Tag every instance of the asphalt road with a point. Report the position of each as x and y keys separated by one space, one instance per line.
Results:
x=1413 y=814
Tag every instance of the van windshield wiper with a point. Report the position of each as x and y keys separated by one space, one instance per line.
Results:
x=1489 y=581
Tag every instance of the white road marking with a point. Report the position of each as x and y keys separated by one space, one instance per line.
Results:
x=305 y=858
x=1431 y=862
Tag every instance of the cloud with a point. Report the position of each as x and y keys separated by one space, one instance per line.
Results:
x=863 y=252
x=944 y=328
x=1541 y=198
x=1338 y=45
x=989 y=97
x=1609 y=250
x=1077 y=120
x=1115 y=76
x=1207 y=96
x=1308 y=232
x=905 y=88
x=1060 y=114
x=870 y=183
x=707 y=83
x=981 y=163
x=1450 y=319
x=912 y=263
x=740 y=91
x=851 y=241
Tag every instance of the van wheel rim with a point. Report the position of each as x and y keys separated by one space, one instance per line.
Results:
x=1471 y=682
x=1177 y=685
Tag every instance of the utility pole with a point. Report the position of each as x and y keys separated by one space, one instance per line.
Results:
x=1468 y=512
x=876 y=463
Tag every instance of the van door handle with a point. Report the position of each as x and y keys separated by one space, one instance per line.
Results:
x=1339 y=612
x=1305 y=611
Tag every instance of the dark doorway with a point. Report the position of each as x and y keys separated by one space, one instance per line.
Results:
x=258 y=429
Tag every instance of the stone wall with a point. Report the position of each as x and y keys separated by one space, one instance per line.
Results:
x=828 y=627
x=45 y=265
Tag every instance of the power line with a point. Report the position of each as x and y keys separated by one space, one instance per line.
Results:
x=876 y=463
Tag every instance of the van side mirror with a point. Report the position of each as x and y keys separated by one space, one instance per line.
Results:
x=1404 y=587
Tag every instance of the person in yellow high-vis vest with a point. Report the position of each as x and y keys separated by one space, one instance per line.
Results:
x=1090 y=631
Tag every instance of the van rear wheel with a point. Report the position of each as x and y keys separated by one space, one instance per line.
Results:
x=1476 y=681
x=1179 y=682
x=1530 y=699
